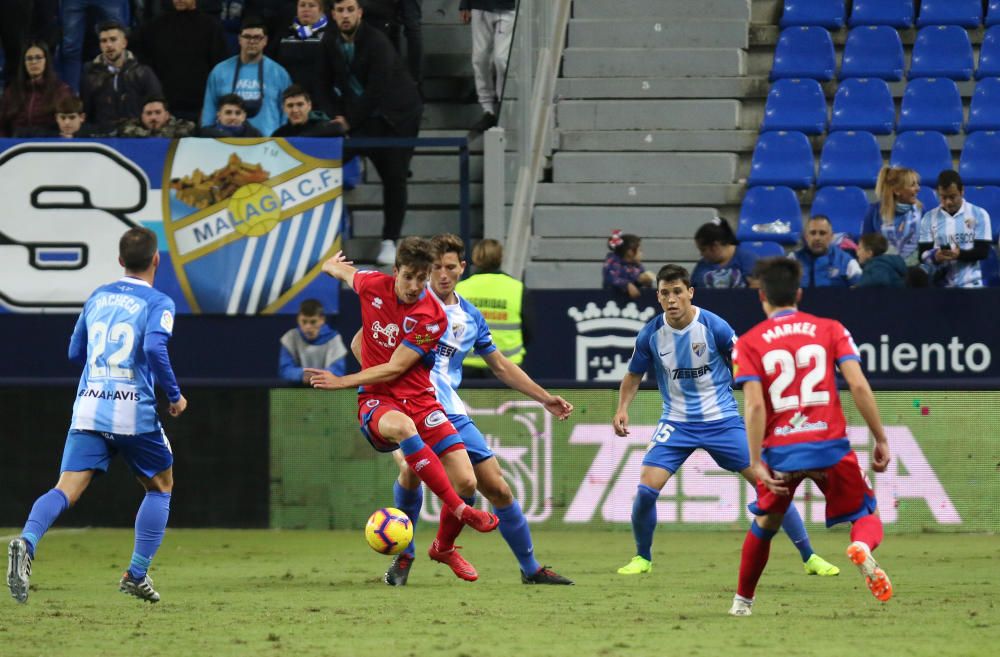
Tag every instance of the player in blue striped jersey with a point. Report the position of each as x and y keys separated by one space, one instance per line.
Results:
x=121 y=340
x=467 y=332
x=689 y=351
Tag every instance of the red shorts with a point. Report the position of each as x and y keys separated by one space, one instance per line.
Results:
x=433 y=425
x=848 y=492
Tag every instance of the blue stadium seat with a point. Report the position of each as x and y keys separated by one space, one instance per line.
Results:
x=989 y=55
x=763 y=249
x=931 y=104
x=988 y=198
x=984 y=110
x=845 y=206
x=873 y=51
x=897 y=13
x=991 y=269
x=979 y=164
x=927 y=196
x=795 y=104
x=863 y=104
x=942 y=51
x=967 y=13
x=782 y=158
x=804 y=52
x=770 y=214
x=993 y=13
x=850 y=158
x=926 y=152
x=825 y=13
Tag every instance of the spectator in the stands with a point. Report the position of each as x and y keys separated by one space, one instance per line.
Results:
x=303 y=121
x=955 y=236
x=623 y=270
x=312 y=344
x=182 y=46
x=252 y=75
x=115 y=83
x=71 y=121
x=823 y=264
x=78 y=16
x=15 y=24
x=300 y=49
x=897 y=212
x=230 y=120
x=723 y=264
x=156 y=121
x=492 y=31
x=878 y=268
x=275 y=15
x=28 y=104
x=389 y=16
x=362 y=84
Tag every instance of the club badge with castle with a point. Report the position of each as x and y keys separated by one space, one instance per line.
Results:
x=605 y=338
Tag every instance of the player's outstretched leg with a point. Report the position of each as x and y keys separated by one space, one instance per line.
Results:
x=643 y=524
x=866 y=534
x=18 y=569
x=812 y=563
x=409 y=502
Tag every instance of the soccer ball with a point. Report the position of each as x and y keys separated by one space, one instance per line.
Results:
x=389 y=531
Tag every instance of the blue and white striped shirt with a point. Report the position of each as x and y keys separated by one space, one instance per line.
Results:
x=969 y=224
x=467 y=331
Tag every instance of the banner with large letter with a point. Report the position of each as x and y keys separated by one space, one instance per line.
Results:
x=942 y=476
x=244 y=224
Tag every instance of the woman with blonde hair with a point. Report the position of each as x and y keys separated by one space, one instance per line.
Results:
x=896 y=214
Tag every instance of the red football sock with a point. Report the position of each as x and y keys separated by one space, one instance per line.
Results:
x=448 y=530
x=426 y=465
x=756 y=550
x=868 y=530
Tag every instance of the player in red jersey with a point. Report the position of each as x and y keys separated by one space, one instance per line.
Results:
x=796 y=428
x=396 y=395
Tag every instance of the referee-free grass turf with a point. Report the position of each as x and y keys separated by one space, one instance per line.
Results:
x=307 y=593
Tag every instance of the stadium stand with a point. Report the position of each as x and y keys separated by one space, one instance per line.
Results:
x=873 y=51
x=988 y=198
x=942 y=51
x=984 y=110
x=926 y=152
x=927 y=196
x=993 y=13
x=795 y=104
x=931 y=104
x=770 y=214
x=804 y=52
x=864 y=104
x=897 y=13
x=978 y=164
x=967 y=13
x=764 y=249
x=824 y=13
x=782 y=158
x=845 y=207
x=850 y=158
x=989 y=54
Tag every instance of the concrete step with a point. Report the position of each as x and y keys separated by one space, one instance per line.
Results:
x=632 y=194
x=452 y=90
x=659 y=62
x=716 y=114
x=447 y=65
x=675 y=10
x=448 y=38
x=599 y=221
x=603 y=33
x=433 y=168
x=660 y=87
x=728 y=141
x=419 y=195
x=449 y=116
x=368 y=223
x=569 y=249
x=658 y=168
x=549 y=275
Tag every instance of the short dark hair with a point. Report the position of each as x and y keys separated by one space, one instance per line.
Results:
x=874 y=242
x=311 y=308
x=415 y=252
x=156 y=99
x=69 y=105
x=107 y=26
x=780 y=279
x=820 y=217
x=253 y=23
x=295 y=90
x=448 y=243
x=949 y=177
x=669 y=273
x=233 y=99
x=716 y=231
x=136 y=248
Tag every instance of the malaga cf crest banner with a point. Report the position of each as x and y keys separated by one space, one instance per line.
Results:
x=243 y=225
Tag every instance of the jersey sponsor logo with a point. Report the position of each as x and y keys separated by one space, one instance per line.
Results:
x=420 y=339
x=388 y=334
x=112 y=395
x=690 y=372
x=432 y=328
x=435 y=419
x=377 y=302
x=605 y=339
x=698 y=348
x=167 y=321
x=446 y=350
x=409 y=324
x=420 y=465
x=799 y=423
x=372 y=403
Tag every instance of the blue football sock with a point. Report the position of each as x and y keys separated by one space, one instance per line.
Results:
x=514 y=529
x=43 y=513
x=150 y=524
x=644 y=520
x=409 y=502
x=412 y=445
x=796 y=530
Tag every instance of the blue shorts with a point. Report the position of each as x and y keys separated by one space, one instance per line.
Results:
x=724 y=440
x=475 y=441
x=147 y=454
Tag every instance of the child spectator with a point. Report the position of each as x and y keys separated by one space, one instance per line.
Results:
x=897 y=212
x=623 y=270
x=230 y=120
x=723 y=264
x=313 y=344
x=156 y=121
x=71 y=119
x=27 y=107
x=300 y=48
x=878 y=268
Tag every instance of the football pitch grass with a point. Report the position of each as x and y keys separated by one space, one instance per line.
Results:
x=309 y=593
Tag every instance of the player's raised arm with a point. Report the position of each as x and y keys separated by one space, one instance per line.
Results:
x=512 y=375
x=402 y=360
x=626 y=393
x=864 y=400
x=340 y=268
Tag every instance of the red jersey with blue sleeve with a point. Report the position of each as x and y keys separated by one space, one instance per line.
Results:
x=387 y=323
x=794 y=356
